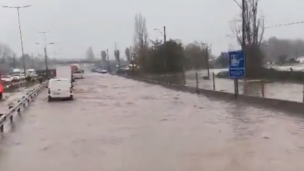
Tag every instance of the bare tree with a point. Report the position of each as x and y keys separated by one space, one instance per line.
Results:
x=253 y=36
x=141 y=42
x=104 y=56
x=90 y=54
x=5 y=52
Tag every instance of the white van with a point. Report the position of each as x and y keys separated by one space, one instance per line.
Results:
x=60 y=88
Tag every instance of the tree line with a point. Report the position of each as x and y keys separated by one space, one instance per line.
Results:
x=164 y=56
x=161 y=56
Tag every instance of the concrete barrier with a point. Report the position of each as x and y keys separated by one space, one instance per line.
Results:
x=277 y=104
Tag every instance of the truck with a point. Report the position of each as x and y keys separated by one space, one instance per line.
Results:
x=77 y=72
x=64 y=71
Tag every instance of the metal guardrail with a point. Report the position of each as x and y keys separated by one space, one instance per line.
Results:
x=24 y=102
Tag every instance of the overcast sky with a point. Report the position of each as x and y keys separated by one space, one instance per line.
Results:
x=77 y=24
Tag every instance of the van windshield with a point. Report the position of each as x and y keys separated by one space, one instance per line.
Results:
x=16 y=74
x=78 y=72
x=59 y=83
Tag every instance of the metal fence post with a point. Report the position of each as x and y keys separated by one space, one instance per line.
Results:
x=263 y=88
x=23 y=99
x=11 y=118
x=213 y=81
x=245 y=86
x=303 y=93
x=19 y=111
x=1 y=128
x=197 y=83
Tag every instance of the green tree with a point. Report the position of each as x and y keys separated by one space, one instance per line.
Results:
x=196 y=55
x=222 y=61
x=165 y=58
x=175 y=56
x=128 y=54
x=90 y=54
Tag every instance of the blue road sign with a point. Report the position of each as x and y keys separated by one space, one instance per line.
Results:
x=236 y=64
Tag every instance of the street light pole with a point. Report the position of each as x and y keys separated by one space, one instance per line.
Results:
x=46 y=63
x=32 y=58
x=165 y=41
x=108 y=60
x=165 y=36
x=165 y=49
x=45 y=53
x=20 y=32
x=44 y=36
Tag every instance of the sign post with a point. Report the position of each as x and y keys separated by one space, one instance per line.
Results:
x=236 y=68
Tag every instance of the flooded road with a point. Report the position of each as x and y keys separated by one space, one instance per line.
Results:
x=116 y=124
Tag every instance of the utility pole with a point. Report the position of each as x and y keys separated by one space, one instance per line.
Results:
x=33 y=62
x=207 y=61
x=243 y=26
x=108 y=60
x=165 y=36
x=117 y=59
x=165 y=41
x=131 y=59
x=20 y=32
x=46 y=63
x=243 y=42
x=165 y=50
x=45 y=53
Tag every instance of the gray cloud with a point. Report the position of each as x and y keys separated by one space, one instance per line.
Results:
x=78 y=24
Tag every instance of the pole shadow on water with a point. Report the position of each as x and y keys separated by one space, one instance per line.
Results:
x=241 y=124
x=252 y=88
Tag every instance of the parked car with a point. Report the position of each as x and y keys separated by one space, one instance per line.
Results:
x=6 y=78
x=94 y=70
x=103 y=71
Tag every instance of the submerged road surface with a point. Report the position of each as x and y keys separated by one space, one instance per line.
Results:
x=116 y=124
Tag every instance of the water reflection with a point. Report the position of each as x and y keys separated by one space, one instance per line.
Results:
x=178 y=79
x=242 y=125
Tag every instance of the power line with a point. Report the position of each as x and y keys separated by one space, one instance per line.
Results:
x=278 y=25
x=284 y=25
